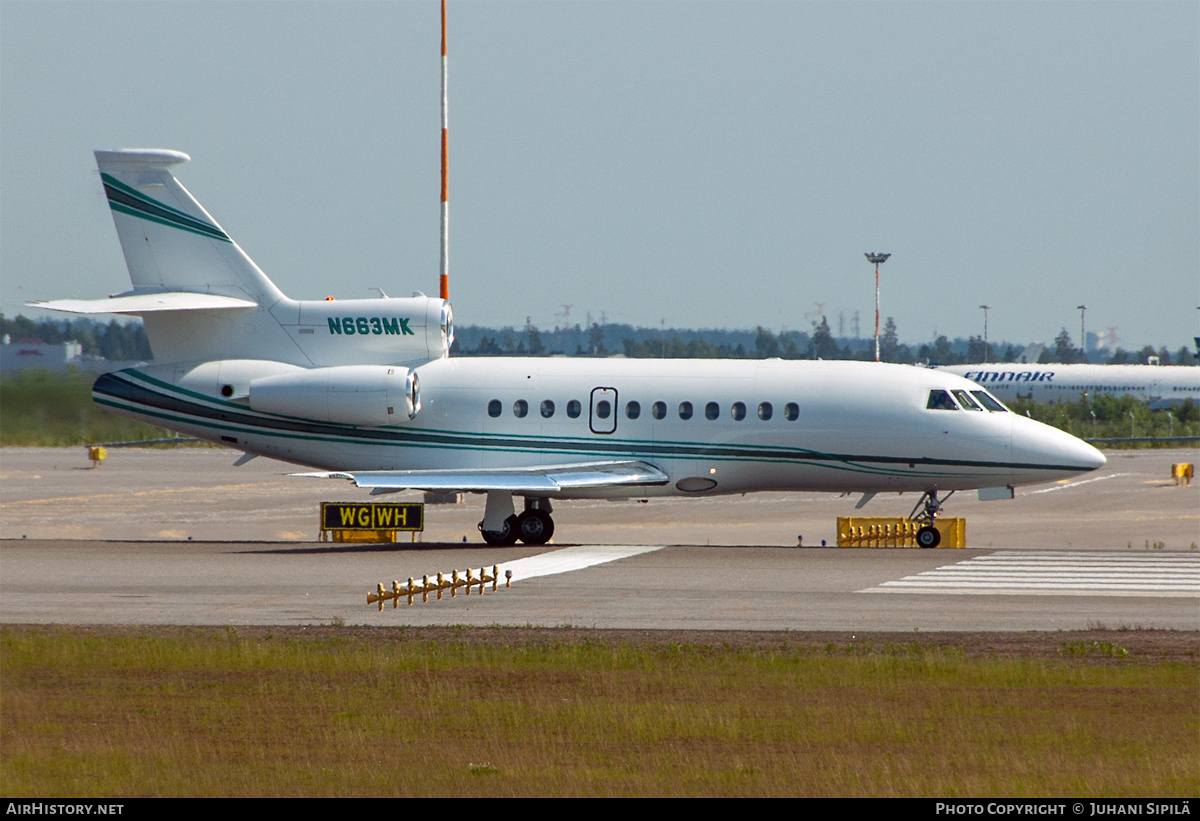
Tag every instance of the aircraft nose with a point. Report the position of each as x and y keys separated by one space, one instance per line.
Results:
x=1034 y=442
x=1096 y=458
x=1069 y=451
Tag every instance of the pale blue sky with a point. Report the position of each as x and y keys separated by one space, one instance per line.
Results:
x=710 y=164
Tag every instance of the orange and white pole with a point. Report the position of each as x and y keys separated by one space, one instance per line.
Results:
x=445 y=266
x=877 y=258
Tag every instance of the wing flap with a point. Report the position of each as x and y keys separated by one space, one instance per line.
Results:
x=541 y=478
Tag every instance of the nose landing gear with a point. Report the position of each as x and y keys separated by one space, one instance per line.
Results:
x=928 y=535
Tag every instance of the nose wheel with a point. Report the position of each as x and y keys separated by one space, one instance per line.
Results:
x=928 y=535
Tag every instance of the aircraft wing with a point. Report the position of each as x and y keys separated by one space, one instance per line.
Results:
x=543 y=478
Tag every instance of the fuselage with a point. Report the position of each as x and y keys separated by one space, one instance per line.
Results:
x=713 y=426
x=1161 y=386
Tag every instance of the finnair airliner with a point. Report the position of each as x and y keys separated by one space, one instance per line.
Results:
x=365 y=390
x=1160 y=385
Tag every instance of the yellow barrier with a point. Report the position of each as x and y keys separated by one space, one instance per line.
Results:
x=1182 y=473
x=361 y=535
x=97 y=454
x=883 y=531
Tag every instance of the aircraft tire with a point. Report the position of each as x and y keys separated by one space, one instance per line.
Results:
x=502 y=538
x=535 y=527
x=929 y=536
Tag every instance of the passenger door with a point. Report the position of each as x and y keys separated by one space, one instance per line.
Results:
x=603 y=416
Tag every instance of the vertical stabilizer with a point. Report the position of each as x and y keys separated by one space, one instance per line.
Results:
x=170 y=242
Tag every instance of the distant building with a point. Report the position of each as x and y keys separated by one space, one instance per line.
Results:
x=34 y=353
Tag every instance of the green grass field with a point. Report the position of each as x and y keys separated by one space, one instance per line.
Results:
x=208 y=712
x=40 y=407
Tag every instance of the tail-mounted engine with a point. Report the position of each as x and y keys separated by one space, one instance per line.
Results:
x=363 y=395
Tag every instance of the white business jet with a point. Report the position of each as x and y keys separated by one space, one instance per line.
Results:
x=364 y=389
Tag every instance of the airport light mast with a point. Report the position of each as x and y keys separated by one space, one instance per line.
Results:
x=878 y=259
x=1082 y=333
x=985 y=345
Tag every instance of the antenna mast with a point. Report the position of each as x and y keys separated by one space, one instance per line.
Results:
x=445 y=266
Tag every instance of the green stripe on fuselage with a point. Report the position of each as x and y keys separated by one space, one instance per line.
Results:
x=240 y=419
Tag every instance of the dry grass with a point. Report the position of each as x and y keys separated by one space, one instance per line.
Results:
x=218 y=713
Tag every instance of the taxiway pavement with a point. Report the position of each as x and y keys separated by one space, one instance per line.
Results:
x=181 y=537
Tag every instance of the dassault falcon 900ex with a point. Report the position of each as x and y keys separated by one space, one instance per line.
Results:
x=365 y=389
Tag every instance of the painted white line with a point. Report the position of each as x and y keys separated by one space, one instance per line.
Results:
x=1062 y=573
x=1042 y=585
x=1107 y=557
x=1075 y=484
x=571 y=558
x=1001 y=591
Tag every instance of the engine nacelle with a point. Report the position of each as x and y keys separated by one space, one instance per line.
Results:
x=363 y=395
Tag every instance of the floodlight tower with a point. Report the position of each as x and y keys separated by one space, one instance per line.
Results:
x=878 y=259
x=985 y=345
x=1082 y=333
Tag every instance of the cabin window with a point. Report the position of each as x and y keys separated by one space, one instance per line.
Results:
x=765 y=411
x=633 y=410
x=966 y=401
x=603 y=409
x=738 y=411
x=685 y=410
x=712 y=410
x=573 y=408
x=658 y=410
x=990 y=402
x=547 y=408
x=791 y=411
x=940 y=400
x=494 y=408
x=520 y=408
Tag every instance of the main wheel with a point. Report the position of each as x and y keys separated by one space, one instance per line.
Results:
x=928 y=536
x=505 y=537
x=535 y=526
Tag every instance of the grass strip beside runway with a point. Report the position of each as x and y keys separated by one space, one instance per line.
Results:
x=122 y=712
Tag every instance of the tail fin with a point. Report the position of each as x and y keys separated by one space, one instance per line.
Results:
x=170 y=242
x=203 y=300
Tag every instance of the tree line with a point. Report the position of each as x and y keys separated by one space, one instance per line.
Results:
x=761 y=343
x=118 y=341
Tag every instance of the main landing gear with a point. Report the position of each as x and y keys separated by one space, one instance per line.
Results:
x=928 y=535
x=534 y=525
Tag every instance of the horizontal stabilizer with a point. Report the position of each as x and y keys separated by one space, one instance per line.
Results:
x=543 y=478
x=145 y=303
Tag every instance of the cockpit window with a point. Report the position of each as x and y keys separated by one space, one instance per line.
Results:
x=966 y=401
x=940 y=400
x=990 y=402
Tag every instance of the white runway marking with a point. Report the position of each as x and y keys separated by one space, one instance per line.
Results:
x=1076 y=484
x=1059 y=573
x=571 y=558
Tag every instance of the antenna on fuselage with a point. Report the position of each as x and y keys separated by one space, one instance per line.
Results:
x=445 y=266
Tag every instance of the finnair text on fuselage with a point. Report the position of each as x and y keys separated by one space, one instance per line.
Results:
x=1160 y=385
